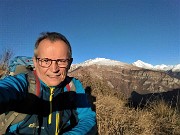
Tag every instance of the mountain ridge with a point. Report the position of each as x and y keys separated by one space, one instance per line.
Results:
x=138 y=63
x=124 y=78
x=163 y=67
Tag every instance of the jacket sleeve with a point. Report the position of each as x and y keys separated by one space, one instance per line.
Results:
x=12 y=89
x=87 y=118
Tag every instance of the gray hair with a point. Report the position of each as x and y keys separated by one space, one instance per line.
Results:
x=52 y=36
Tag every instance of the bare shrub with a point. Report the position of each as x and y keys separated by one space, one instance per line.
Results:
x=114 y=118
x=5 y=58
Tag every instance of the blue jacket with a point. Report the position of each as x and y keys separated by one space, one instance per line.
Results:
x=45 y=117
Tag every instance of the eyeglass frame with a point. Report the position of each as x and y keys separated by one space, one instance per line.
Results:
x=50 y=60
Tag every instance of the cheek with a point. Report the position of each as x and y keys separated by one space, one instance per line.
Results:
x=41 y=71
x=63 y=73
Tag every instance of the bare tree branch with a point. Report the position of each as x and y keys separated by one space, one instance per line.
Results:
x=5 y=58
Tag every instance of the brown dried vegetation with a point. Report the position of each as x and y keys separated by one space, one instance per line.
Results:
x=114 y=117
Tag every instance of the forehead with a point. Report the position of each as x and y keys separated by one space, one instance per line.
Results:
x=52 y=49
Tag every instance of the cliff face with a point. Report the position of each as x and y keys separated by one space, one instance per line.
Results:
x=173 y=74
x=124 y=79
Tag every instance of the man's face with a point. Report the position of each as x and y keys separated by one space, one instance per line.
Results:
x=54 y=74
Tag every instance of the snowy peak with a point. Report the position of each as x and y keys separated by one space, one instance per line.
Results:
x=164 y=67
x=138 y=63
x=176 y=68
x=141 y=64
x=101 y=61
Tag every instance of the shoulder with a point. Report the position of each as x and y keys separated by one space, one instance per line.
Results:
x=77 y=83
x=75 y=80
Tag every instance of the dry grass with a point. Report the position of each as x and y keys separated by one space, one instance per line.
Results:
x=114 y=118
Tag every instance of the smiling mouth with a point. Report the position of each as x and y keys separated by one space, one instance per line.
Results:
x=53 y=76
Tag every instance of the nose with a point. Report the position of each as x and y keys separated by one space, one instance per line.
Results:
x=54 y=67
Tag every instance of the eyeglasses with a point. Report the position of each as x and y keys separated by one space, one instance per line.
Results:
x=45 y=62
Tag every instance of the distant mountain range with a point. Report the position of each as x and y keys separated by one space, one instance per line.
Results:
x=138 y=63
x=105 y=75
x=172 y=70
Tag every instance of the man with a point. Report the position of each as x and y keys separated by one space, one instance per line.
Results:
x=54 y=111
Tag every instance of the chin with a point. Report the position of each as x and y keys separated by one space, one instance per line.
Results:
x=53 y=83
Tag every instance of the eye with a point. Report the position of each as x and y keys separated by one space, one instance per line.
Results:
x=46 y=60
x=61 y=60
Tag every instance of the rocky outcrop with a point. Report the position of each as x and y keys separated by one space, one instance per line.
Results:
x=173 y=74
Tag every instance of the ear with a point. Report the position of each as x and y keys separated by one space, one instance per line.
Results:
x=35 y=62
x=70 y=62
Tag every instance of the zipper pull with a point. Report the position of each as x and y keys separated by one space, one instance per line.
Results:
x=50 y=100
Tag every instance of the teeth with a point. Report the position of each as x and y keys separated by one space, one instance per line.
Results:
x=53 y=76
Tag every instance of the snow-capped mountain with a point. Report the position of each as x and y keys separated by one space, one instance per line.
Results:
x=124 y=77
x=100 y=61
x=138 y=63
x=174 y=68
x=142 y=64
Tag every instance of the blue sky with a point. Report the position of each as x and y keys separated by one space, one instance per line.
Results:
x=123 y=30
